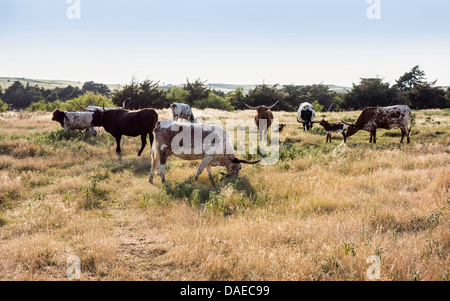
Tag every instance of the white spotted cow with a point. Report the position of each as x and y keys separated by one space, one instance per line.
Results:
x=181 y=110
x=187 y=141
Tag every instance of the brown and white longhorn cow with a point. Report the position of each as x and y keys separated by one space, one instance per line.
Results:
x=382 y=117
x=263 y=118
x=189 y=141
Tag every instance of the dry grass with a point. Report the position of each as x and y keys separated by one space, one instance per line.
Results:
x=316 y=215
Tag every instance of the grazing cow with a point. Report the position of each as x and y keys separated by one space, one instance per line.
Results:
x=305 y=115
x=122 y=122
x=181 y=110
x=263 y=113
x=71 y=121
x=209 y=143
x=385 y=118
x=333 y=128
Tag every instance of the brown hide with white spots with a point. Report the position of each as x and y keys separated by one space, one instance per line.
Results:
x=385 y=118
x=209 y=143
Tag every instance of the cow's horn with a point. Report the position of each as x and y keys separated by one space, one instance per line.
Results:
x=253 y=108
x=250 y=162
x=347 y=123
x=84 y=108
x=272 y=105
x=103 y=107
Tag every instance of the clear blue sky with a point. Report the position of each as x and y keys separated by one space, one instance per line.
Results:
x=235 y=42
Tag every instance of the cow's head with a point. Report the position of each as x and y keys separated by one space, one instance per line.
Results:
x=261 y=109
x=352 y=128
x=97 y=118
x=59 y=116
x=234 y=165
x=323 y=122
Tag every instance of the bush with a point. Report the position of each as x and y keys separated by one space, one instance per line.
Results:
x=214 y=101
x=3 y=106
x=45 y=106
x=88 y=99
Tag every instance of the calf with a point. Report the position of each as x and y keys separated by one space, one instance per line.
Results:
x=263 y=113
x=209 y=143
x=181 y=110
x=71 y=121
x=333 y=128
x=385 y=118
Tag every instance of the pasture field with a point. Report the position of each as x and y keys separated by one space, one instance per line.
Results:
x=318 y=214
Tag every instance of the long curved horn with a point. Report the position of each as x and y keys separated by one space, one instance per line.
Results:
x=273 y=105
x=347 y=123
x=253 y=108
x=84 y=108
x=250 y=162
x=103 y=107
x=124 y=104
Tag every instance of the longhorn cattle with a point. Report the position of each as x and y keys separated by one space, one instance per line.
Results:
x=209 y=143
x=333 y=128
x=385 y=118
x=122 y=122
x=263 y=115
x=181 y=110
x=305 y=115
x=71 y=121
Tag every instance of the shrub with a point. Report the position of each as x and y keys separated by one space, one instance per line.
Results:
x=3 y=106
x=214 y=101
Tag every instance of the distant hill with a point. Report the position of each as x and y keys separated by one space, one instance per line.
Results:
x=5 y=82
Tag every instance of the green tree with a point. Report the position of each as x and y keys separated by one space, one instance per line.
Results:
x=411 y=79
x=197 y=90
x=425 y=96
x=292 y=98
x=96 y=88
x=265 y=95
x=237 y=98
x=143 y=95
x=176 y=94
x=326 y=98
x=372 y=92
x=214 y=101
x=85 y=100
x=18 y=96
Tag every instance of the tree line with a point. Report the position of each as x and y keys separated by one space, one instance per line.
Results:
x=412 y=89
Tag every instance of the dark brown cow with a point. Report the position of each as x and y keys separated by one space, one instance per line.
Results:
x=263 y=113
x=122 y=122
x=333 y=128
x=385 y=118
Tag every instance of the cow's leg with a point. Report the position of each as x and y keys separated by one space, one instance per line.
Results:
x=407 y=135
x=371 y=135
x=205 y=162
x=403 y=134
x=345 y=137
x=155 y=161
x=152 y=138
x=118 y=150
x=374 y=134
x=143 y=143
x=304 y=127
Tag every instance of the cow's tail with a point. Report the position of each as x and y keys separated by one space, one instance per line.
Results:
x=411 y=121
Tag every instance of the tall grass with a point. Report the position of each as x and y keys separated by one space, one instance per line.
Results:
x=318 y=214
